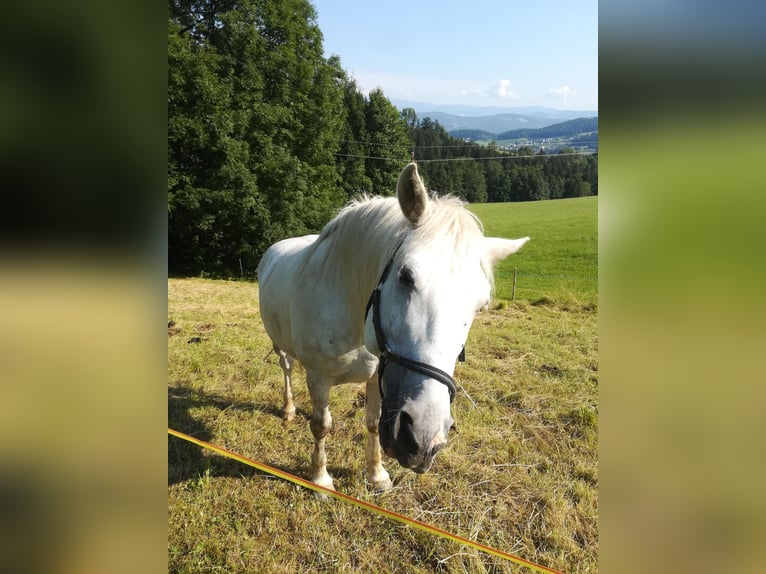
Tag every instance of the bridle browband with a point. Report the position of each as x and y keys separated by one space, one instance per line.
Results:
x=386 y=354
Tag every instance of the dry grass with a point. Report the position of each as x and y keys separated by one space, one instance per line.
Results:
x=521 y=473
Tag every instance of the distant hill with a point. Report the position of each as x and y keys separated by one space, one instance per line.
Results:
x=460 y=121
x=493 y=124
x=569 y=129
x=424 y=109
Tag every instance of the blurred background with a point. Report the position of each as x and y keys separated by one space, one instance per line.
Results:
x=682 y=197
x=83 y=286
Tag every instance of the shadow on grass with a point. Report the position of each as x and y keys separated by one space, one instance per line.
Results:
x=188 y=461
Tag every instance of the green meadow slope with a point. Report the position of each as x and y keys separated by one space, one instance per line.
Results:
x=521 y=472
x=561 y=260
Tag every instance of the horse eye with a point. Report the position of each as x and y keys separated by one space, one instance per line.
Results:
x=406 y=277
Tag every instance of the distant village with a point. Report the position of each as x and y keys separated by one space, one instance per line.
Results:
x=547 y=145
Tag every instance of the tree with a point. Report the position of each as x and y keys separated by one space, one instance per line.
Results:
x=254 y=119
x=386 y=129
x=522 y=175
x=214 y=202
x=472 y=187
x=410 y=119
x=354 y=147
x=537 y=186
x=497 y=181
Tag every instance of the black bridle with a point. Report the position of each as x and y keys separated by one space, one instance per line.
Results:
x=386 y=354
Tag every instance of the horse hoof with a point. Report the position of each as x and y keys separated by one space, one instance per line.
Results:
x=288 y=416
x=382 y=485
x=326 y=482
x=321 y=495
x=380 y=481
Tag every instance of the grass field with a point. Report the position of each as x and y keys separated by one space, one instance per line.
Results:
x=521 y=473
x=561 y=260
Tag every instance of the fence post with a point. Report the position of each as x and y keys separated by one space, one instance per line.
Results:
x=513 y=293
x=241 y=271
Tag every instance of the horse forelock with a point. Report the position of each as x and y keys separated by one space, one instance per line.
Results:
x=458 y=232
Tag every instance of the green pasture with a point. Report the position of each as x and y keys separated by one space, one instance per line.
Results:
x=520 y=473
x=560 y=262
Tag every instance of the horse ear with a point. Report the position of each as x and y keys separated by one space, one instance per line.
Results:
x=412 y=195
x=498 y=248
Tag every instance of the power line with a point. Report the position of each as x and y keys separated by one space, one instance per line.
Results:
x=546 y=156
x=467 y=144
x=371 y=143
x=367 y=157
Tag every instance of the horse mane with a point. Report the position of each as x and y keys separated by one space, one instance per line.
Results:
x=364 y=230
x=370 y=229
x=449 y=217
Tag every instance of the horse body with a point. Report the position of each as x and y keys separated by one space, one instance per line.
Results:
x=312 y=310
x=313 y=297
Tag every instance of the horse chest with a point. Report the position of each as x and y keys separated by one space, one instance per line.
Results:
x=331 y=344
x=325 y=340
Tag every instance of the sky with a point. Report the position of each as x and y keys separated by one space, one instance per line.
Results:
x=506 y=53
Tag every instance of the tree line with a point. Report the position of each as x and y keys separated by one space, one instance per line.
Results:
x=476 y=173
x=498 y=175
x=267 y=138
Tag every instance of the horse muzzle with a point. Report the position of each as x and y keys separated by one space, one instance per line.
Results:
x=408 y=446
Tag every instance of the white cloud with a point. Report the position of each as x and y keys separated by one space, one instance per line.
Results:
x=438 y=90
x=562 y=93
x=502 y=88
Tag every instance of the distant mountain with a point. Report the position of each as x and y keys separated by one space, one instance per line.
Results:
x=494 y=120
x=567 y=129
x=553 y=114
x=493 y=124
x=423 y=109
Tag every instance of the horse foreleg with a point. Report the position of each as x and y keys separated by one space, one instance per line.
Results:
x=288 y=410
x=321 y=421
x=377 y=476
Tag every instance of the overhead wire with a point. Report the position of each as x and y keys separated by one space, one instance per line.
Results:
x=500 y=157
x=467 y=144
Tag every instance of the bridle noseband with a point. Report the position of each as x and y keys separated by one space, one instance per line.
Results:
x=386 y=354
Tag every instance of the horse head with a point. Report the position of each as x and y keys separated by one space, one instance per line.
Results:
x=439 y=277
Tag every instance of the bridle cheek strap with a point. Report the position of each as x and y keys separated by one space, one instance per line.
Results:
x=386 y=354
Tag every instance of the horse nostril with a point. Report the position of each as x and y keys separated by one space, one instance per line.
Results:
x=406 y=438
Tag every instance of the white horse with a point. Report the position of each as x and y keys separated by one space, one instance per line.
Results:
x=320 y=305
